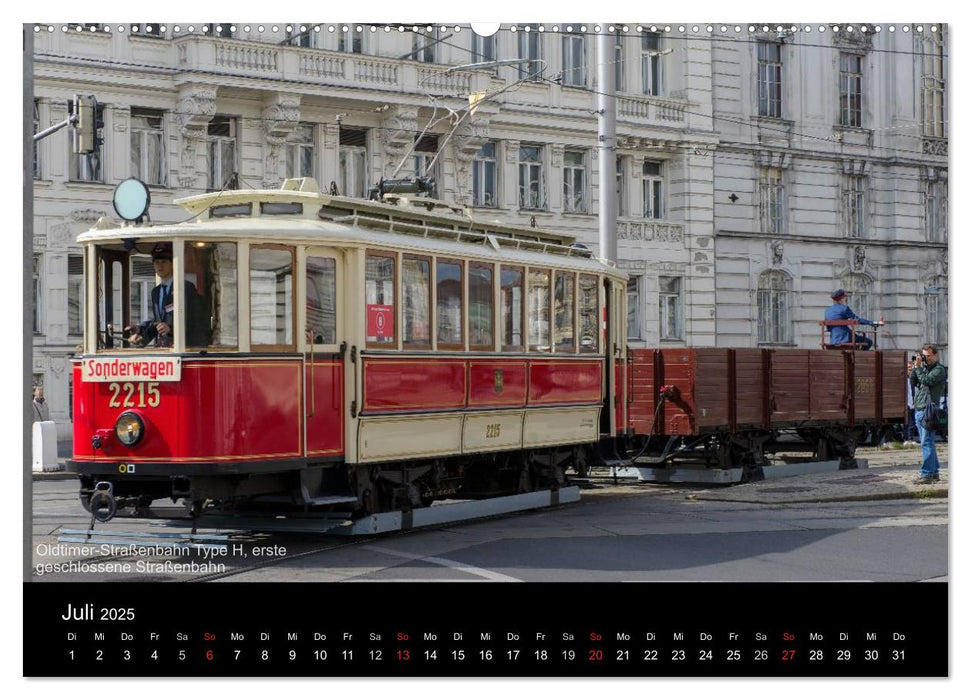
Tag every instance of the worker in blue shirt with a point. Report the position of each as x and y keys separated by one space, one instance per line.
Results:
x=839 y=311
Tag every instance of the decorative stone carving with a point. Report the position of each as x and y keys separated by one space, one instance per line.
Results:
x=851 y=166
x=773 y=159
x=857 y=39
x=196 y=108
x=512 y=152
x=647 y=144
x=934 y=147
x=281 y=114
x=778 y=251
x=87 y=216
x=398 y=132
x=859 y=258
x=466 y=142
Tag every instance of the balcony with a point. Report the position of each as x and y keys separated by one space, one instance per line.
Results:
x=657 y=111
x=248 y=59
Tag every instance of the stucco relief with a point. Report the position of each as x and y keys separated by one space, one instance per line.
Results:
x=196 y=108
x=468 y=139
x=398 y=133
x=281 y=114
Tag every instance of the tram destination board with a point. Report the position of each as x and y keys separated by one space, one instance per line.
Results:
x=490 y=630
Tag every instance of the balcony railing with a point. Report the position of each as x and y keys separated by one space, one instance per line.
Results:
x=272 y=62
x=651 y=109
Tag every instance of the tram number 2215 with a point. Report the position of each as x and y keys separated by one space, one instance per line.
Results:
x=132 y=395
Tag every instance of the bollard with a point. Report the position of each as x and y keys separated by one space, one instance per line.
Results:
x=45 y=446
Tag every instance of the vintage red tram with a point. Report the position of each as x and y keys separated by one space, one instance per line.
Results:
x=353 y=354
x=331 y=353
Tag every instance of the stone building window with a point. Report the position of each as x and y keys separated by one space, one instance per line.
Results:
x=530 y=52
x=221 y=149
x=574 y=181
x=532 y=183
x=854 y=205
x=574 y=59
x=38 y=297
x=353 y=162
x=652 y=190
x=933 y=106
x=770 y=79
x=651 y=64
x=633 y=309
x=352 y=41
x=300 y=151
x=772 y=200
x=670 y=314
x=857 y=289
x=75 y=294
x=851 y=90
x=484 y=176
x=935 y=310
x=148 y=146
x=935 y=210
x=772 y=301
x=483 y=48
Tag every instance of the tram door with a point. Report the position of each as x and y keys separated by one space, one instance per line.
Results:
x=323 y=362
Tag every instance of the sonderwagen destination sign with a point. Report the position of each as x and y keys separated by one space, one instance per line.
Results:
x=168 y=369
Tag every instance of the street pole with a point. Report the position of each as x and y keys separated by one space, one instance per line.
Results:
x=607 y=142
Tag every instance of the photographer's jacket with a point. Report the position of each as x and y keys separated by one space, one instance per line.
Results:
x=928 y=382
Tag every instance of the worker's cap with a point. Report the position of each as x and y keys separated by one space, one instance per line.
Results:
x=162 y=251
x=838 y=294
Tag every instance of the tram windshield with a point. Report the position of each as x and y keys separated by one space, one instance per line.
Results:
x=136 y=299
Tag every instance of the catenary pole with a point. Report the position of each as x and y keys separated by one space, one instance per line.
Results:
x=606 y=144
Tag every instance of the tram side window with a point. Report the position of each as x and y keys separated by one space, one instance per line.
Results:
x=212 y=316
x=589 y=308
x=416 y=300
x=511 y=308
x=379 y=286
x=480 y=306
x=563 y=311
x=271 y=298
x=539 y=310
x=322 y=300
x=448 y=288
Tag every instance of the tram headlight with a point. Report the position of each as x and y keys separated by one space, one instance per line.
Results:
x=129 y=429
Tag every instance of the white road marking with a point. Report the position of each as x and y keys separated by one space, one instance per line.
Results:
x=451 y=564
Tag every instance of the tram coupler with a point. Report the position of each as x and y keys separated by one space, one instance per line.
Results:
x=102 y=503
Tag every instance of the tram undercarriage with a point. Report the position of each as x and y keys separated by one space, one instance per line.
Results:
x=351 y=490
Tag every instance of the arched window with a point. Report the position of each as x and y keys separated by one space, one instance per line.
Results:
x=857 y=289
x=773 y=299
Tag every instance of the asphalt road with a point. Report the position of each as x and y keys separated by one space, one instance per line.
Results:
x=623 y=533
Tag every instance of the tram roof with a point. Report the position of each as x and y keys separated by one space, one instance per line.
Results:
x=274 y=215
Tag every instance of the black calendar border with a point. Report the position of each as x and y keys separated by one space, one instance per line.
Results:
x=776 y=610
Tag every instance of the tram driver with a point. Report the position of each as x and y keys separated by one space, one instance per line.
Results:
x=159 y=328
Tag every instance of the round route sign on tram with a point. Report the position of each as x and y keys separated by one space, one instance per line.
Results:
x=132 y=199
